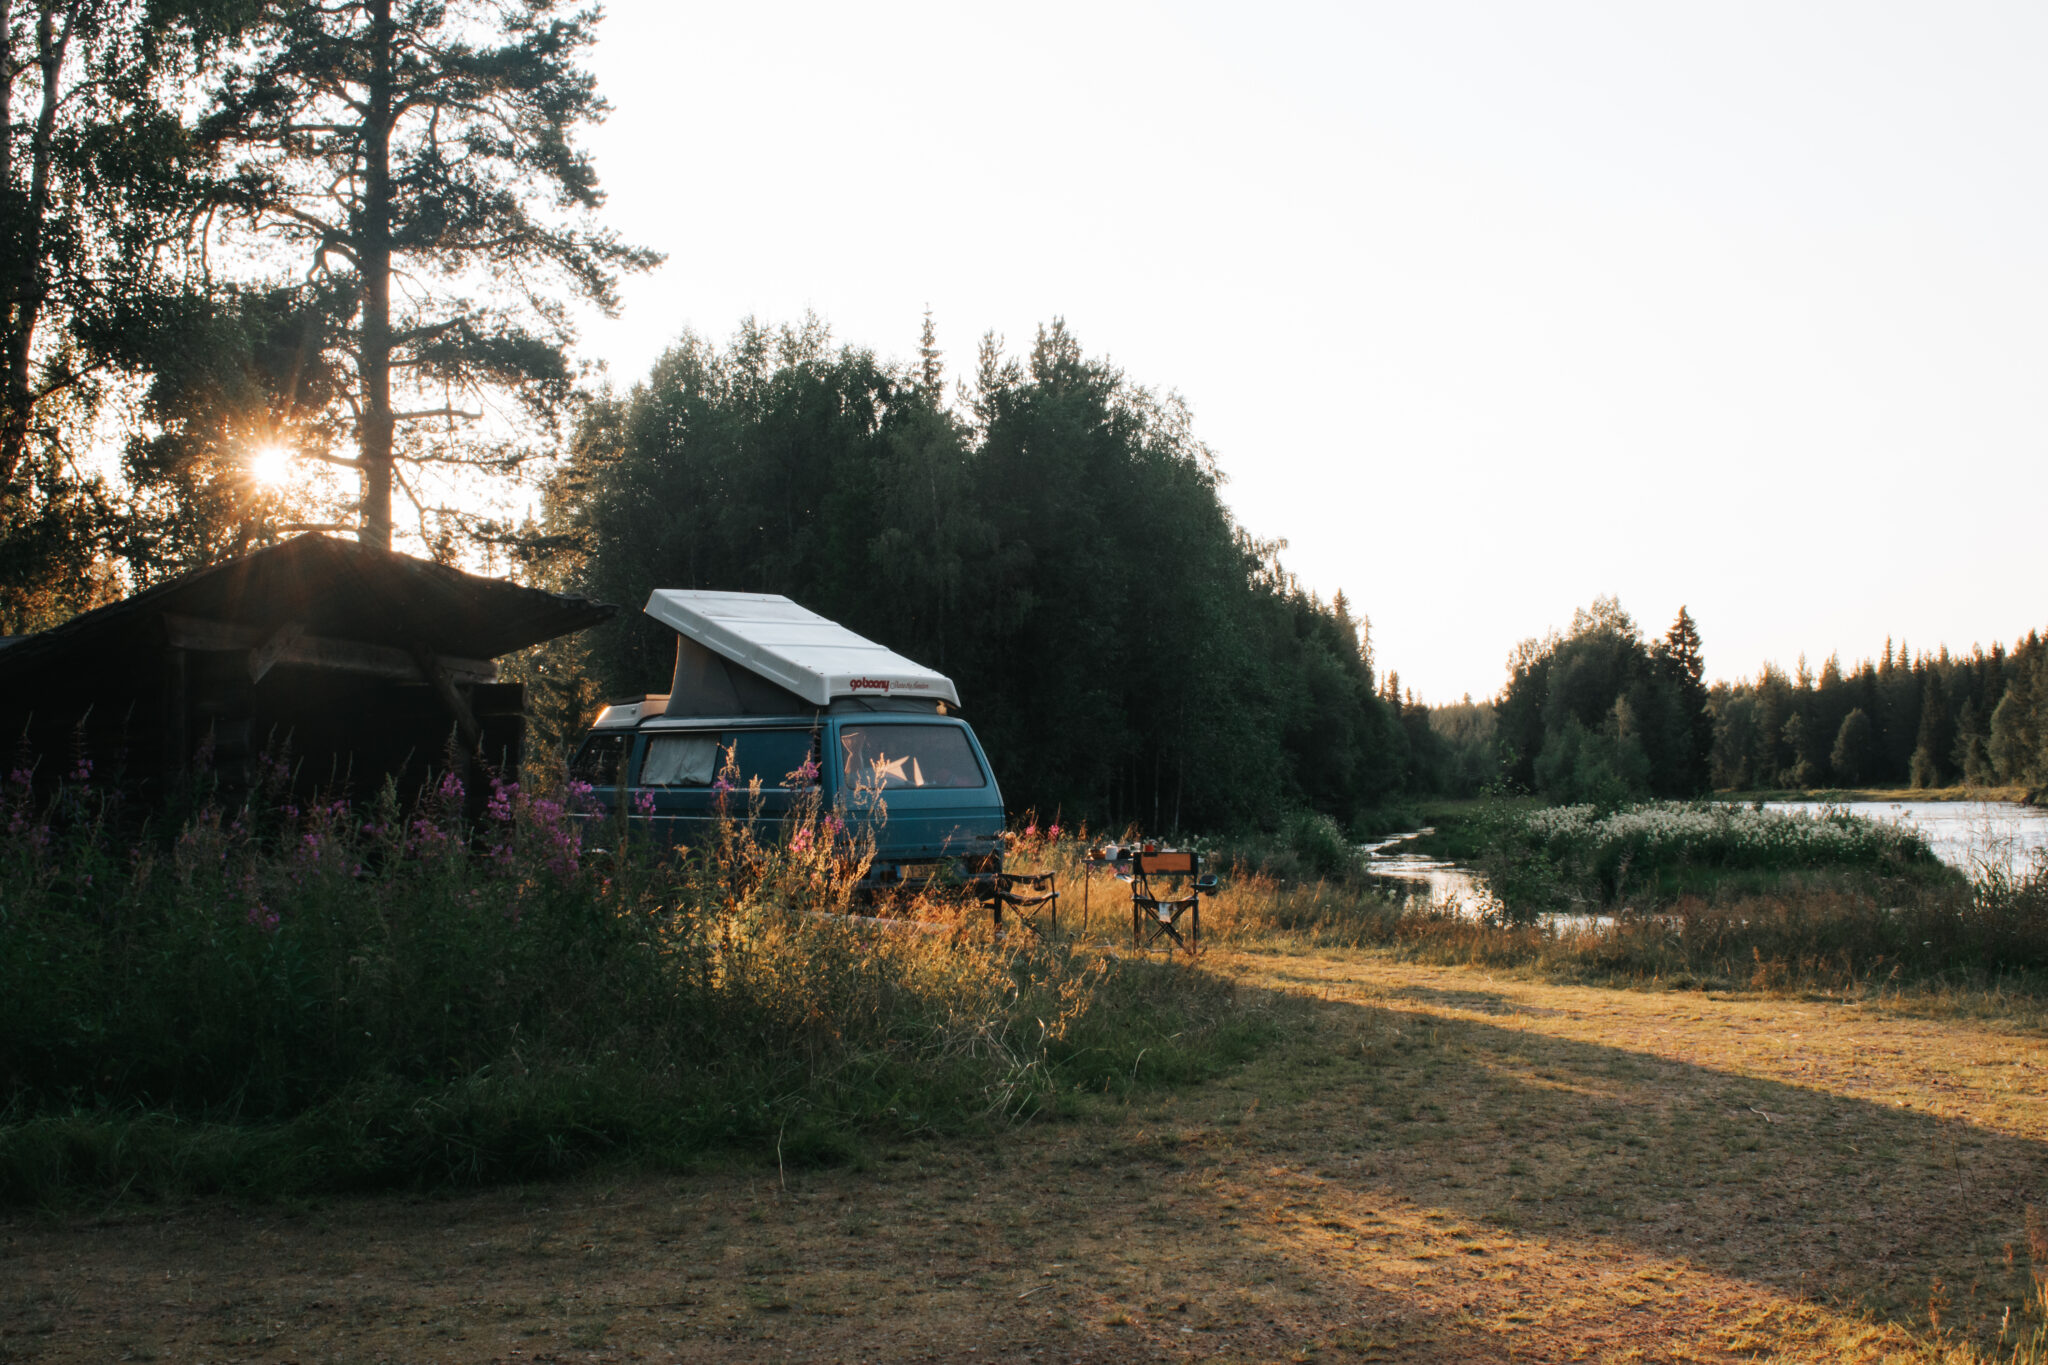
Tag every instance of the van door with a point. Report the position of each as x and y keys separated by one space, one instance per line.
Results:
x=686 y=777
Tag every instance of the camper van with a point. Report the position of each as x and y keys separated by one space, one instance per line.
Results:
x=783 y=696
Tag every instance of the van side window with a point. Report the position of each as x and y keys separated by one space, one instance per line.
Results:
x=597 y=762
x=679 y=761
x=771 y=755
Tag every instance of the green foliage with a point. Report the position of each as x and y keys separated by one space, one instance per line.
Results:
x=94 y=162
x=284 y=999
x=1854 y=754
x=1126 y=652
x=1321 y=846
x=432 y=145
x=1927 y=720
x=231 y=371
x=1557 y=856
x=1458 y=752
x=1599 y=716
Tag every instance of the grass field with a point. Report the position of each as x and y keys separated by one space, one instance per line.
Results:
x=1431 y=1163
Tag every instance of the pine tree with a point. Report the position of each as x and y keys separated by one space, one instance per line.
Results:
x=1686 y=667
x=1851 y=757
x=1936 y=736
x=433 y=142
x=931 y=362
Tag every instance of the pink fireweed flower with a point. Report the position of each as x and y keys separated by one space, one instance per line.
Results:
x=1031 y=831
x=450 y=788
x=1053 y=833
x=800 y=841
x=263 y=917
x=83 y=771
x=643 y=804
x=805 y=775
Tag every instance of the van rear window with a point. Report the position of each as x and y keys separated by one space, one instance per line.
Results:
x=892 y=756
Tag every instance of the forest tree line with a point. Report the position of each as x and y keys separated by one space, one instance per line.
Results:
x=1047 y=533
x=1901 y=720
x=267 y=267
x=1601 y=714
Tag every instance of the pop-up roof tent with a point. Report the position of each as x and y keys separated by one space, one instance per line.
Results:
x=760 y=654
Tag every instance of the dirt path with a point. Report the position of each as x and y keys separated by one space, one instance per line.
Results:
x=1439 y=1165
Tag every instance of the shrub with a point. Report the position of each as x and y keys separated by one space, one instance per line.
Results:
x=289 y=997
x=1539 y=859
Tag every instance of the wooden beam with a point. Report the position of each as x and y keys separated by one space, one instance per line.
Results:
x=316 y=651
x=465 y=719
x=177 y=747
x=265 y=656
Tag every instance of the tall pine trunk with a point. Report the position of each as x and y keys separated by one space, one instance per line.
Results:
x=25 y=287
x=375 y=435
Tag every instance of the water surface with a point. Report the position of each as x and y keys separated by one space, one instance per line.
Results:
x=1975 y=836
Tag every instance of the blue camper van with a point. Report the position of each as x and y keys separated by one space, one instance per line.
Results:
x=780 y=693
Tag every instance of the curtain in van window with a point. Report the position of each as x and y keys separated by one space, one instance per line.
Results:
x=679 y=761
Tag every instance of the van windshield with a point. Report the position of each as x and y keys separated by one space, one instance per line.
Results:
x=891 y=756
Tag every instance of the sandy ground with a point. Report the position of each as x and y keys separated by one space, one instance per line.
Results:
x=1440 y=1164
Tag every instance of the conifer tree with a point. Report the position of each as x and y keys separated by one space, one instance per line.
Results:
x=1851 y=756
x=1686 y=668
x=429 y=141
x=931 y=362
x=1935 y=737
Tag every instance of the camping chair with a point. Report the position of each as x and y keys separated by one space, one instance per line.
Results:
x=1156 y=917
x=1005 y=888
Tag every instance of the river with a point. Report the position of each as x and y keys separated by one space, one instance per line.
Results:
x=1976 y=836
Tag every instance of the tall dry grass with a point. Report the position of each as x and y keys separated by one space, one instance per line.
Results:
x=279 y=996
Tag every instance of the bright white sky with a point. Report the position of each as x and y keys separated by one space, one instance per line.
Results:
x=1485 y=308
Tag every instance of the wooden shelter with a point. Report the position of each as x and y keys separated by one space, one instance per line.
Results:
x=352 y=663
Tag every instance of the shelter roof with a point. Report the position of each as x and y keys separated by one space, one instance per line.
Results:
x=331 y=588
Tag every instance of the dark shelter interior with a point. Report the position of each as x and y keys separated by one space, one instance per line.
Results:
x=349 y=663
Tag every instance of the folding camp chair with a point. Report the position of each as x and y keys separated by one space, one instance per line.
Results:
x=1041 y=904
x=1156 y=917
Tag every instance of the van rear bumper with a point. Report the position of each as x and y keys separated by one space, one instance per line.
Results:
x=908 y=873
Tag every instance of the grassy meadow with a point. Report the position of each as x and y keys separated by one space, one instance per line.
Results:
x=690 y=1104
x=282 y=998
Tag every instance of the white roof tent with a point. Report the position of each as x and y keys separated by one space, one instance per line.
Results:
x=760 y=654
